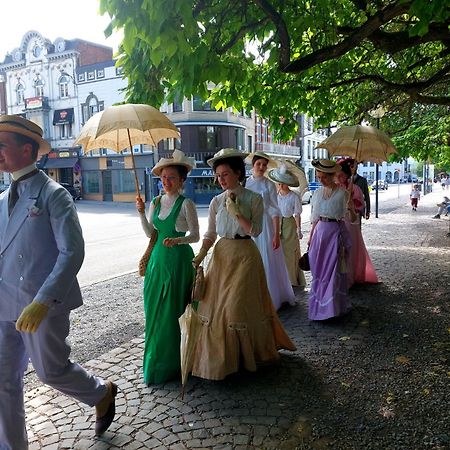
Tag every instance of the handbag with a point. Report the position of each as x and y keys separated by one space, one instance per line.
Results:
x=199 y=286
x=143 y=262
x=303 y=262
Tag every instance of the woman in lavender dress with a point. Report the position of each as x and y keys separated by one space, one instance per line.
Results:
x=329 y=245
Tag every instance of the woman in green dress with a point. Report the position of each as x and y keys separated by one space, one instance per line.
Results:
x=169 y=275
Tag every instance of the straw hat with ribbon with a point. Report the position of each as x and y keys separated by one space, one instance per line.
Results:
x=283 y=175
x=178 y=159
x=12 y=123
x=226 y=153
x=271 y=162
x=326 y=165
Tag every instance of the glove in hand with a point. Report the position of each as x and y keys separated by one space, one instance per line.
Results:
x=232 y=206
x=31 y=317
x=200 y=257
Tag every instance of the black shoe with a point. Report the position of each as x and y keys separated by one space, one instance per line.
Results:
x=437 y=216
x=102 y=423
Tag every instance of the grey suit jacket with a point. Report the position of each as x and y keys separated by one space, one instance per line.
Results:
x=41 y=249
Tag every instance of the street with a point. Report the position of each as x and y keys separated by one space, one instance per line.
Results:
x=115 y=240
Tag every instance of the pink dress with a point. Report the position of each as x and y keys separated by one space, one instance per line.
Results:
x=361 y=269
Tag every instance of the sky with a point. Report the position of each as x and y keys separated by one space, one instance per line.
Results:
x=53 y=19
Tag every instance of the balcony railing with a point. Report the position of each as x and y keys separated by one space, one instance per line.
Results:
x=278 y=149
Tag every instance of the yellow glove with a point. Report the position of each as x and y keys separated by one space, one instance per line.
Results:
x=232 y=206
x=31 y=317
x=200 y=257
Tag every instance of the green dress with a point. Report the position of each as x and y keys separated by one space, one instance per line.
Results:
x=167 y=290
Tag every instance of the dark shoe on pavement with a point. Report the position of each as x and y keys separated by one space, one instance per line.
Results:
x=437 y=216
x=106 y=410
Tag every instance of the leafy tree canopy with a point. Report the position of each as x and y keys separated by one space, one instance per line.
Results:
x=332 y=59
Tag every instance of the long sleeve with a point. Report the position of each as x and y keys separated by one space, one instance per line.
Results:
x=272 y=206
x=147 y=222
x=189 y=212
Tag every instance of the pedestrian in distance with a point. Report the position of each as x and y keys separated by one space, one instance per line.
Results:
x=268 y=242
x=41 y=252
x=329 y=245
x=444 y=207
x=169 y=274
x=414 y=197
x=290 y=204
x=240 y=325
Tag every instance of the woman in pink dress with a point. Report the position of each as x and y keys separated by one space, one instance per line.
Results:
x=361 y=269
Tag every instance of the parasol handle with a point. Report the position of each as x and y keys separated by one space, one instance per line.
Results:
x=133 y=163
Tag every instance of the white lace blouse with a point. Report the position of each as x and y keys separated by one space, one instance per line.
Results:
x=334 y=207
x=290 y=204
x=221 y=223
x=187 y=220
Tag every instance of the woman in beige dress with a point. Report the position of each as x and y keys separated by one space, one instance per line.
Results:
x=240 y=325
x=290 y=205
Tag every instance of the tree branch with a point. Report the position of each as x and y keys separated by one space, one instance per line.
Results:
x=368 y=28
x=282 y=31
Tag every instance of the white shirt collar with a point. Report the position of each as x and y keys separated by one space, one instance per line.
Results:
x=20 y=173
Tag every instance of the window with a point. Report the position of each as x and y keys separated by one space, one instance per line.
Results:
x=91 y=75
x=92 y=106
x=119 y=70
x=209 y=138
x=65 y=131
x=199 y=105
x=101 y=73
x=64 y=86
x=177 y=105
x=249 y=143
x=124 y=181
x=91 y=181
x=20 y=96
x=38 y=87
x=81 y=77
x=239 y=134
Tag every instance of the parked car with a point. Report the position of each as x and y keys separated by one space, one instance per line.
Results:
x=382 y=185
x=306 y=197
x=74 y=191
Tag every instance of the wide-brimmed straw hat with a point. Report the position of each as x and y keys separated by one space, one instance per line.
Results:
x=178 y=159
x=283 y=175
x=13 y=123
x=326 y=165
x=226 y=153
x=271 y=164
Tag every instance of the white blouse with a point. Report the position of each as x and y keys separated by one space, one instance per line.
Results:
x=187 y=220
x=222 y=223
x=334 y=207
x=268 y=191
x=290 y=204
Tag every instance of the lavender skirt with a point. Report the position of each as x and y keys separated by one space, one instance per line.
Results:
x=327 y=256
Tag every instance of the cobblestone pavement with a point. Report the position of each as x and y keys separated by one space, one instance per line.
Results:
x=376 y=379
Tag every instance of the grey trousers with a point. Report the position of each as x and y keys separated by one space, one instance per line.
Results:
x=49 y=352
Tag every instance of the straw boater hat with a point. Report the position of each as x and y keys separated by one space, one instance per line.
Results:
x=178 y=159
x=283 y=175
x=326 y=165
x=12 y=123
x=226 y=153
x=271 y=164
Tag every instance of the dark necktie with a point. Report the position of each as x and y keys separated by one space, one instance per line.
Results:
x=13 y=190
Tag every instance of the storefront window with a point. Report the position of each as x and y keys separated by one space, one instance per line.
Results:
x=124 y=181
x=91 y=182
x=206 y=185
x=209 y=138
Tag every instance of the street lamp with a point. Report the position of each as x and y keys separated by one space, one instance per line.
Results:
x=377 y=113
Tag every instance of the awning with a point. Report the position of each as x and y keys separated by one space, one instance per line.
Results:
x=63 y=116
x=60 y=163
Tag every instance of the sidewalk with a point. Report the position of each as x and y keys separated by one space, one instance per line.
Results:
x=377 y=379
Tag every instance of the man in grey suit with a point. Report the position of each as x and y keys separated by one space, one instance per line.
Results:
x=41 y=252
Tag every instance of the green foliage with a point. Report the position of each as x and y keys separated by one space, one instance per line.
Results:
x=237 y=54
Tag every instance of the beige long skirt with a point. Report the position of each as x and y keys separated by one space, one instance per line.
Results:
x=240 y=325
x=291 y=250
